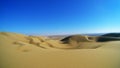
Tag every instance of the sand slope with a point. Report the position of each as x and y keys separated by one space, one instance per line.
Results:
x=21 y=51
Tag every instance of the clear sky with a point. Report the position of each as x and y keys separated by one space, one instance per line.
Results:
x=60 y=16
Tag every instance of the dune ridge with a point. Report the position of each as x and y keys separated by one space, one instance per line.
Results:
x=70 y=42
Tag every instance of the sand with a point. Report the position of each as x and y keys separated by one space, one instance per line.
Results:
x=21 y=51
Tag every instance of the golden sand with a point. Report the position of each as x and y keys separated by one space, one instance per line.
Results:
x=21 y=51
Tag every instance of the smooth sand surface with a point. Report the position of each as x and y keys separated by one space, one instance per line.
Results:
x=21 y=51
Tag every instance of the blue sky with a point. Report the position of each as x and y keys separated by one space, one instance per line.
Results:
x=48 y=17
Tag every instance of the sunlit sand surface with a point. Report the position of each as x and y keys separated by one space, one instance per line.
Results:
x=21 y=51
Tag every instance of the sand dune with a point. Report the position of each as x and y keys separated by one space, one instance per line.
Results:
x=78 y=38
x=76 y=51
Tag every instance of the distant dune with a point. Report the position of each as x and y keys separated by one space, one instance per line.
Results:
x=109 y=37
x=75 y=51
x=112 y=35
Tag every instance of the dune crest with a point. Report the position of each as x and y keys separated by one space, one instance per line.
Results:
x=70 y=42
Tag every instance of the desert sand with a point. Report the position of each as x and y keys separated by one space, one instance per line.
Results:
x=77 y=51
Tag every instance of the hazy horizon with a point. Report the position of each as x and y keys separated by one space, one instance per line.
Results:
x=52 y=17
